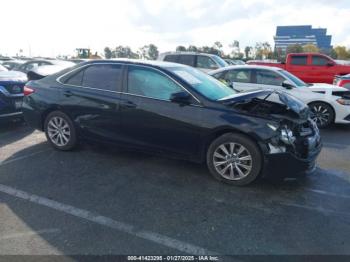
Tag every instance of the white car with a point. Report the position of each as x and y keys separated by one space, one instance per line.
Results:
x=329 y=104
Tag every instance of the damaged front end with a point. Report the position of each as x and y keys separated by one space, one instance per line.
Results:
x=294 y=138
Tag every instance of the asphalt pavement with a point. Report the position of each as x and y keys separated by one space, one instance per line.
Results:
x=100 y=200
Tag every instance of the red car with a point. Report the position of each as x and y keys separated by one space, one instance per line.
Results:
x=310 y=67
x=343 y=81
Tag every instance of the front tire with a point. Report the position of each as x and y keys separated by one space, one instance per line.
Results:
x=60 y=131
x=234 y=159
x=322 y=114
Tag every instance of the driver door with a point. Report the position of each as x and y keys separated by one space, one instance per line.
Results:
x=150 y=120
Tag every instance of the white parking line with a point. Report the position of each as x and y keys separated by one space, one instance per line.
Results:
x=318 y=209
x=23 y=157
x=327 y=193
x=108 y=222
x=30 y=233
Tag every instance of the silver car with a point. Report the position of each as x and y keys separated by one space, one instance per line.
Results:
x=202 y=61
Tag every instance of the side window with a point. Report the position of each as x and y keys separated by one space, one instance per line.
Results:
x=265 y=77
x=319 y=61
x=150 y=83
x=240 y=76
x=171 y=58
x=106 y=77
x=206 y=62
x=299 y=60
x=186 y=60
x=76 y=79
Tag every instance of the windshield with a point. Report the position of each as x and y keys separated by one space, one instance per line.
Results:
x=297 y=81
x=220 y=61
x=203 y=83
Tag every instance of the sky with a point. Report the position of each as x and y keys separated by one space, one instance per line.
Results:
x=57 y=27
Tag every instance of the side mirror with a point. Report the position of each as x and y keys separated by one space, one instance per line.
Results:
x=287 y=85
x=330 y=64
x=182 y=98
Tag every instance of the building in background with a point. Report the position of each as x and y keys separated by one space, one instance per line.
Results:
x=302 y=35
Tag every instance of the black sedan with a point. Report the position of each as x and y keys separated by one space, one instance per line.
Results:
x=175 y=110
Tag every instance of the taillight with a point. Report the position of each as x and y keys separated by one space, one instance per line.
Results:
x=27 y=90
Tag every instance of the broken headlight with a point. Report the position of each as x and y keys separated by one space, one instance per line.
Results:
x=287 y=136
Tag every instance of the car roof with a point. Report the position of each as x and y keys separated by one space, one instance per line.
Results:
x=135 y=62
x=14 y=61
x=186 y=53
x=271 y=68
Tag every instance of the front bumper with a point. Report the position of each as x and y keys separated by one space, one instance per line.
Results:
x=288 y=165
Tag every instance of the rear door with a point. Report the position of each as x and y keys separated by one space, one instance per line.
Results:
x=91 y=96
x=150 y=120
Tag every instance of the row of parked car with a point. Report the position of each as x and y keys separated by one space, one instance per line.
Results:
x=14 y=73
x=243 y=121
x=329 y=103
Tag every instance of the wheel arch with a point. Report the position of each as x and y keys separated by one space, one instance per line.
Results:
x=47 y=112
x=327 y=103
x=226 y=130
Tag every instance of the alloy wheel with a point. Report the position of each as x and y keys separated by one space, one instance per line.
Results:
x=320 y=114
x=232 y=161
x=58 y=131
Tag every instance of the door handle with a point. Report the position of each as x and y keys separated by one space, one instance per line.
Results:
x=129 y=104
x=68 y=93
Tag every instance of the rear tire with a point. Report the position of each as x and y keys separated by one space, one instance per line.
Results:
x=234 y=159
x=60 y=131
x=322 y=113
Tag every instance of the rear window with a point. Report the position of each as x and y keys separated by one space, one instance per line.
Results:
x=299 y=60
x=105 y=77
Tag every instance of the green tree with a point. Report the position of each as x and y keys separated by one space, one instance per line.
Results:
x=180 y=48
x=192 y=48
x=123 y=52
x=247 y=51
x=217 y=48
x=296 y=48
x=108 y=52
x=210 y=50
x=149 y=52
x=153 y=51
x=235 y=49
x=263 y=50
x=310 y=48
x=341 y=52
x=333 y=54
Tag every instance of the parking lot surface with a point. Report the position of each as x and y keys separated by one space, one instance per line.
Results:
x=101 y=200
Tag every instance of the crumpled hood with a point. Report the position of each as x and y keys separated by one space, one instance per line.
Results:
x=292 y=103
